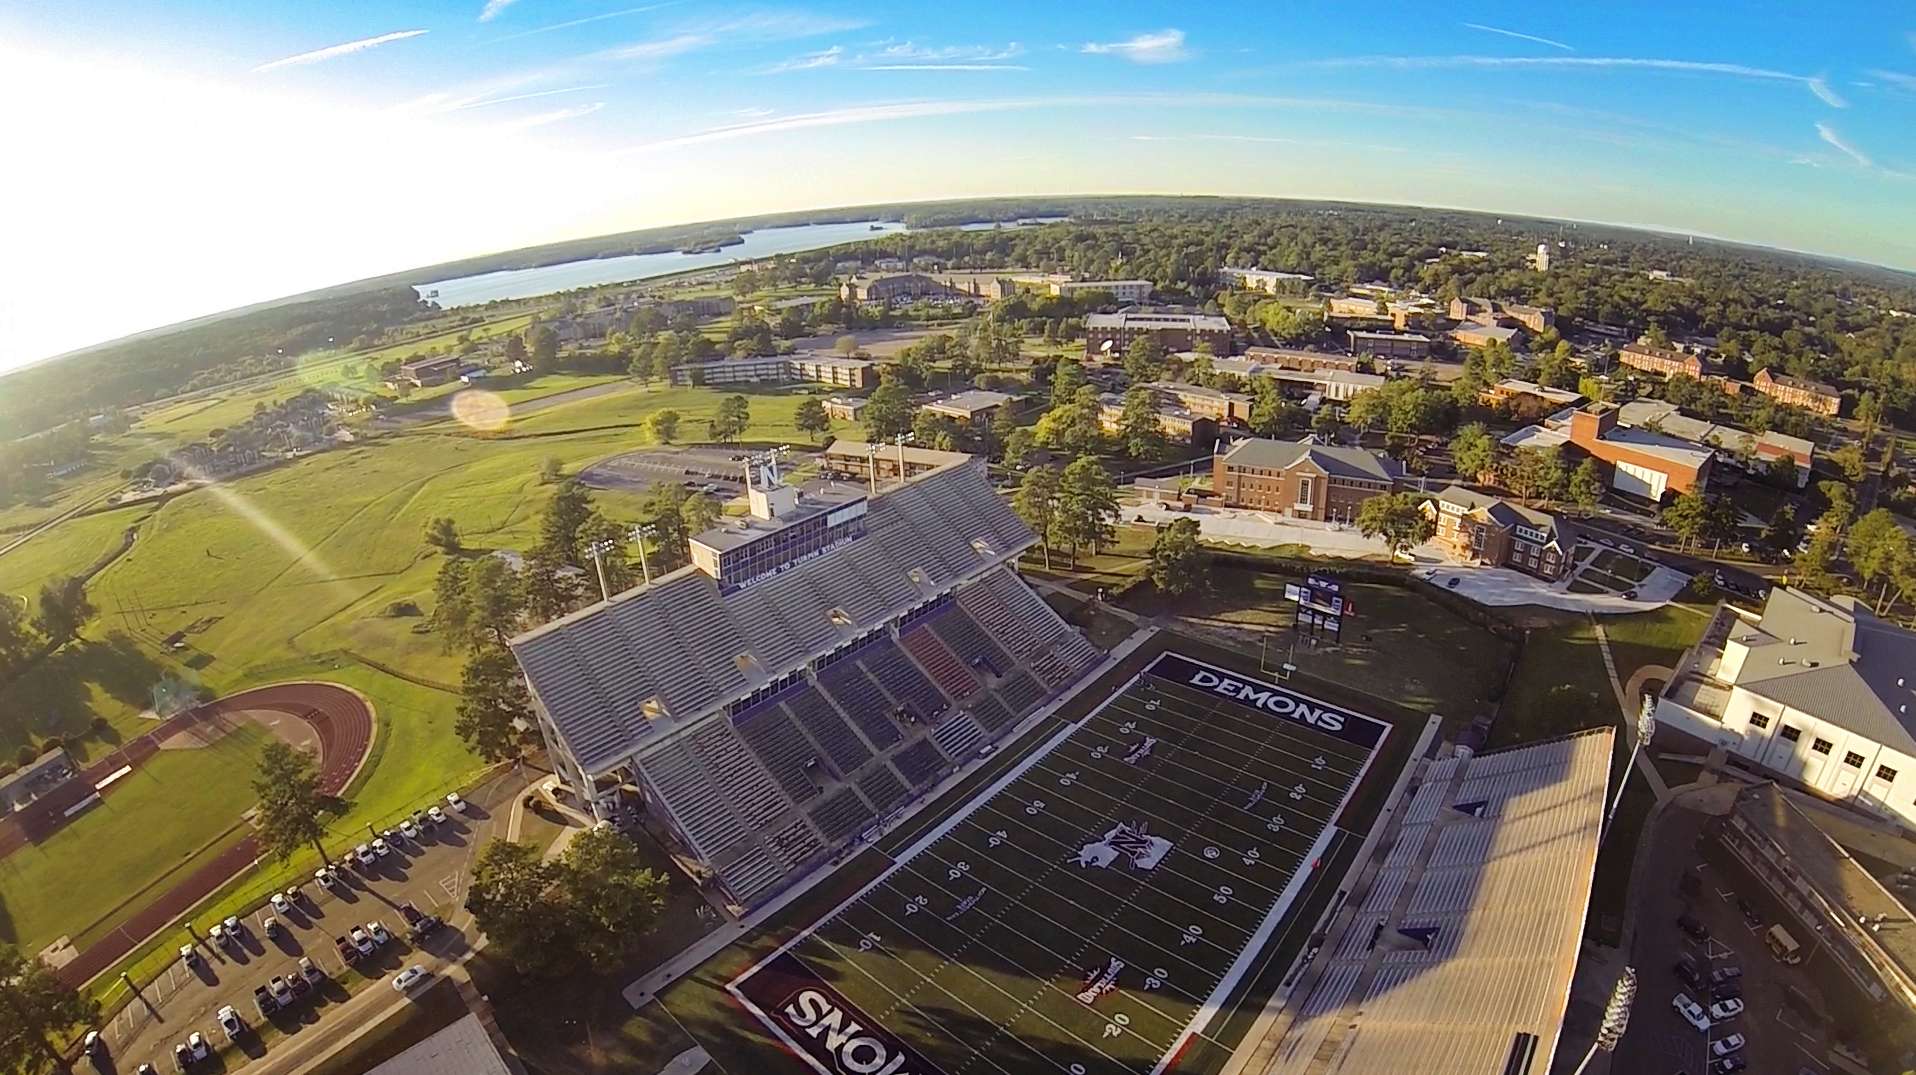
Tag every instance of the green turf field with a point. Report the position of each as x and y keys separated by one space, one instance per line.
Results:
x=68 y=884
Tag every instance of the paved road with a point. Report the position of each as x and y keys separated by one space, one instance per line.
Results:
x=432 y=875
x=343 y=722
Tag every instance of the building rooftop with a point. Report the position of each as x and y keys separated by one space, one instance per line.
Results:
x=1197 y=390
x=969 y=402
x=1817 y=387
x=1141 y=319
x=1836 y=660
x=1505 y=513
x=814 y=498
x=1350 y=377
x=1331 y=458
x=616 y=673
x=1374 y=334
x=464 y=1048
x=1559 y=396
x=1504 y=333
x=1460 y=956
x=1539 y=436
x=1675 y=449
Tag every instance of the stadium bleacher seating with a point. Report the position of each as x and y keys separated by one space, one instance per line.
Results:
x=920 y=763
x=861 y=700
x=958 y=736
x=904 y=682
x=882 y=787
x=942 y=665
x=841 y=814
x=782 y=748
x=956 y=629
x=828 y=729
x=990 y=713
x=1021 y=693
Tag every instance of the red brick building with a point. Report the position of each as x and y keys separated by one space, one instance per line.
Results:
x=1810 y=395
x=1478 y=528
x=1660 y=360
x=1302 y=479
x=1642 y=462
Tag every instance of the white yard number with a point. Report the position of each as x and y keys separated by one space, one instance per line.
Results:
x=1068 y=779
x=1076 y=1069
x=1276 y=824
x=1117 y=1024
x=1251 y=857
x=869 y=941
x=1297 y=792
x=996 y=838
x=1128 y=727
x=1210 y=852
x=1098 y=752
x=1222 y=895
x=916 y=904
x=1151 y=705
x=1155 y=979
x=1191 y=935
x=1318 y=762
x=959 y=870
x=1036 y=806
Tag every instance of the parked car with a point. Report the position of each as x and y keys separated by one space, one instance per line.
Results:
x=1730 y=990
x=182 y=1056
x=299 y=985
x=453 y=800
x=282 y=993
x=348 y=949
x=426 y=926
x=380 y=847
x=197 y=1044
x=218 y=935
x=361 y=940
x=1728 y=1065
x=145 y=1069
x=1691 y=1011
x=436 y=815
x=406 y=979
x=1695 y=928
x=377 y=931
x=1750 y=917
x=422 y=820
x=1727 y=1045
x=410 y=913
x=264 y=1001
x=270 y=926
x=327 y=877
x=310 y=970
x=409 y=830
x=1726 y=1009
x=1687 y=972
x=229 y=1021
x=364 y=854
x=93 y=1044
x=1728 y=973
x=189 y=955
x=234 y=926
x=280 y=903
x=294 y=894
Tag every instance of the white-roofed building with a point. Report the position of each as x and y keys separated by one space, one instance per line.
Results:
x=1458 y=956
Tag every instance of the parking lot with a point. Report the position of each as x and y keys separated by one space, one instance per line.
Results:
x=1781 y=1024
x=429 y=873
x=697 y=468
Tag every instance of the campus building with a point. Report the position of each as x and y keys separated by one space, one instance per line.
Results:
x=1472 y=334
x=854 y=373
x=845 y=408
x=1339 y=385
x=1814 y=396
x=1302 y=479
x=1224 y=408
x=1528 y=399
x=1357 y=308
x=1119 y=290
x=1819 y=691
x=1478 y=528
x=1735 y=445
x=1842 y=908
x=891 y=287
x=425 y=372
x=1642 y=463
x=975 y=407
x=1404 y=346
x=819 y=665
x=1660 y=360
x=1289 y=358
x=1107 y=335
x=1262 y=279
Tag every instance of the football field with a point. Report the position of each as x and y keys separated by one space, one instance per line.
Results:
x=1090 y=911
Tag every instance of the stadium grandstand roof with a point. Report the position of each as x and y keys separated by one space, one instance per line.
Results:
x=609 y=676
x=1457 y=958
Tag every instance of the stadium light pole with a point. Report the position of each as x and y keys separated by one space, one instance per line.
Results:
x=1646 y=728
x=901 y=440
x=598 y=549
x=1616 y=1017
x=639 y=534
x=871 y=466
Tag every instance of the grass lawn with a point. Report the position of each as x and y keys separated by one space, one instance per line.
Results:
x=1397 y=644
x=1610 y=891
x=1623 y=566
x=67 y=550
x=63 y=886
x=1564 y=654
x=1658 y=637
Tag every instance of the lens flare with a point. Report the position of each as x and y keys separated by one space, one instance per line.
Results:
x=487 y=412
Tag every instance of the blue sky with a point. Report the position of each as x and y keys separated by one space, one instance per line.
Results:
x=201 y=155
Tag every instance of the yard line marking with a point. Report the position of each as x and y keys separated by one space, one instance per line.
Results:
x=1224 y=724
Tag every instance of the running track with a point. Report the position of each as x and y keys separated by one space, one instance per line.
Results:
x=343 y=724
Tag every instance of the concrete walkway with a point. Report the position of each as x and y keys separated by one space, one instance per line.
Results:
x=1630 y=711
x=1237 y=526
x=1502 y=587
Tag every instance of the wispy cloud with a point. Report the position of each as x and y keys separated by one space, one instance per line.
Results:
x=750 y=28
x=1895 y=78
x=1815 y=85
x=483 y=102
x=570 y=23
x=810 y=61
x=557 y=115
x=1270 y=140
x=911 y=52
x=493 y=8
x=1829 y=135
x=659 y=48
x=944 y=67
x=752 y=113
x=333 y=52
x=1164 y=46
x=906 y=110
x=1519 y=36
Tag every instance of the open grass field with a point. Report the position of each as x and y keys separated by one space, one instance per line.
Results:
x=1104 y=859
x=68 y=884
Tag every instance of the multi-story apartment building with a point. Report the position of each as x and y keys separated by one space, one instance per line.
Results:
x=1813 y=396
x=1120 y=290
x=1660 y=360
x=1262 y=279
x=1224 y=408
x=1528 y=399
x=1407 y=346
x=855 y=373
x=1302 y=479
x=890 y=287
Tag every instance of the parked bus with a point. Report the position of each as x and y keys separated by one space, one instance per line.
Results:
x=1782 y=945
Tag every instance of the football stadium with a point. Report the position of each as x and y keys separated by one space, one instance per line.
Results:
x=962 y=839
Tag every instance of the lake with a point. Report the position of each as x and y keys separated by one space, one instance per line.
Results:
x=546 y=279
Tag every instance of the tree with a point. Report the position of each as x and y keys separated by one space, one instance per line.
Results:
x=1586 y=484
x=1019 y=446
x=1087 y=506
x=1689 y=516
x=1535 y=472
x=611 y=897
x=811 y=419
x=494 y=600
x=452 y=607
x=289 y=802
x=1814 y=562
x=564 y=517
x=1271 y=413
x=515 y=349
x=1396 y=518
x=1036 y=503
x=1066 y=379
x=543 y=344
x=492 y=701
x=1144 y=359
x=1138 y=425
x=888 y=412
x=1879 y=549
x=1074 y=427
x=1003 y=426
x=933 y=430
x=1473 y=451
x=1325 y=423
x=1841 y=509
x=442 y=533
x=64 y=609
x=1850 y=461
x=1177 y=560
x=729 y=423
x=663 y=425
x=1781 y=532
x=35 y=1008
x=513 y=900
x=846 y=346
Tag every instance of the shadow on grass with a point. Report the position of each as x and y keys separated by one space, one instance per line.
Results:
x=53 y=697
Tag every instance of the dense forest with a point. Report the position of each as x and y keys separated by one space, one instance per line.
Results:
x=1809 y=317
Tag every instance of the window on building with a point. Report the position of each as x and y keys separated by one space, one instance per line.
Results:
x=1303 y=494
x=1758 y=720
x=1822 y=746
x=1852 y=759
x=1792 y=734
x=1884 y=772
